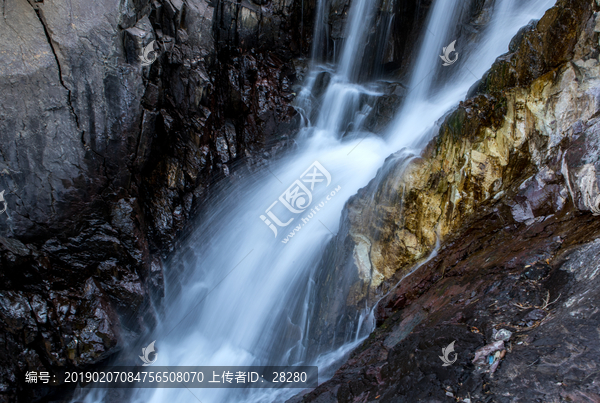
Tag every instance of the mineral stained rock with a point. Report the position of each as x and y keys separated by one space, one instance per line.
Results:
x=527 y=151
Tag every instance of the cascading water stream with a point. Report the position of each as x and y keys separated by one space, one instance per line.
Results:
x=243 y=296
x=321 y=33
x=443 y=18
x=425 y=104
x=358 y=24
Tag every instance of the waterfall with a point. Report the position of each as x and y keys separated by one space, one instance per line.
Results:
x=361 y=14
x=241 y=287
x=428 y=98
x=320 y=47
x=440 y=25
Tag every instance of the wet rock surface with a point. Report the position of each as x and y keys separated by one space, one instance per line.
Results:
x=390 y=46
x=478 y=284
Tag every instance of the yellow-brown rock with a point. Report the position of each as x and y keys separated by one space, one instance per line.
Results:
x=516 y=145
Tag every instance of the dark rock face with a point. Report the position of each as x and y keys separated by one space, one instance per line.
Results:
x=472 y=289
x=214 y=102
x=74 y=259
x=392 y=47
x=104 y=156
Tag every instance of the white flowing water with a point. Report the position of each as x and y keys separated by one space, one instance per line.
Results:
x=243 y=296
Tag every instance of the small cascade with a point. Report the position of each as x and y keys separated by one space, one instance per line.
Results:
x=320 y=48
x=359 y=22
